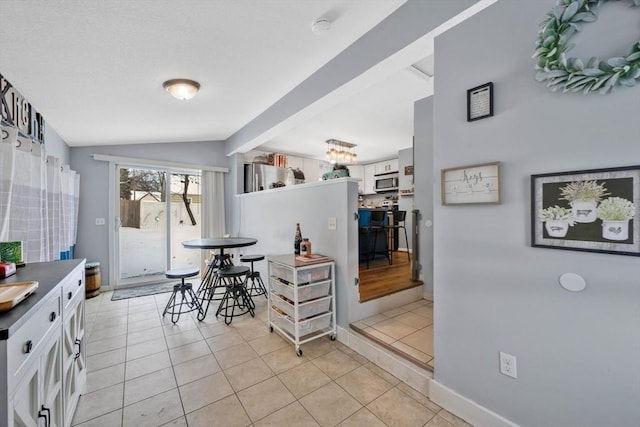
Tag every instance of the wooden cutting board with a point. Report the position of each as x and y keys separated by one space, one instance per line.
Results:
x=11 y=295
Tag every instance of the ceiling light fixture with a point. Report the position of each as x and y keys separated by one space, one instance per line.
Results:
x=181 y=88
x=340 y=152
x=320 y=26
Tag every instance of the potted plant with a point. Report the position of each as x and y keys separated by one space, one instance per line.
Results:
x=557 y=220
x=615 y=213
x=583 y=196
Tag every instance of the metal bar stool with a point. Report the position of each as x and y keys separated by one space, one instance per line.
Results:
x=400 y=217
x=257 y=285
x=377 y=226
x=188 y=299
x=236 y=295
x=210 y=282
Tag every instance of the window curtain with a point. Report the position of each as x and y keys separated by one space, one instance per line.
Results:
x=38 y=200
x=213 y=221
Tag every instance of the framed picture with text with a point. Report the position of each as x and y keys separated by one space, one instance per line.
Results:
x=590 y=210
x=471 y=184
x=480 y=102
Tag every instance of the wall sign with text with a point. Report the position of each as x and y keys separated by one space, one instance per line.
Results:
x=471 y=184
x=480 y=102
x=18 y=112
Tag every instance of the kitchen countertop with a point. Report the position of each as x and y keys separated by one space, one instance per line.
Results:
x=49 y=275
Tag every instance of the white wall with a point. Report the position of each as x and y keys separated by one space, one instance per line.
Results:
x=271 y=217
x=54 y=145
x=424 y=191
x=93 y=240
x=577 y=353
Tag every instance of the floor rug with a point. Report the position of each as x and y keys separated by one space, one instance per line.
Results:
x=140 y=291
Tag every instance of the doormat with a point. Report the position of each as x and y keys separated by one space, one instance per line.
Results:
x=141 y=291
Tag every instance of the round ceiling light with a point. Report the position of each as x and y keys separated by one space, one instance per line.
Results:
x=320 y=26
x=181 y=88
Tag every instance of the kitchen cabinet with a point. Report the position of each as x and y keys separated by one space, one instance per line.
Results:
x=295 y=162
x=42 y=357
x=302 y=299
x=387 y=166
x=357 y=171
x=369 y=179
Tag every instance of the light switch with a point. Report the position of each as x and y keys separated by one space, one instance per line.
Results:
x=333 y=224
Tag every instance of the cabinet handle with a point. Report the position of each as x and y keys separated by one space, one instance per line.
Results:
x=69 y=295
x=80 y=282
x=28 y=346
x=78 y=342
x=52 y=316
x=47 y=416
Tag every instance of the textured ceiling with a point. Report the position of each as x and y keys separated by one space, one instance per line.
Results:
x=95 y=69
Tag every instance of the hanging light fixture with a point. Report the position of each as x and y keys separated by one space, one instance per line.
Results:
x=182 y=89
x=340 y=152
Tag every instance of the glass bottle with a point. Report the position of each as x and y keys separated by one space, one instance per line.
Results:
x=305 y=247
x=297 y=240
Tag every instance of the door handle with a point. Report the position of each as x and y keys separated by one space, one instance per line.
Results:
x=46 y=416
x=78 y=342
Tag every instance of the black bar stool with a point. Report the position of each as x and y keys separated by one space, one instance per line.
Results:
x=188 y=299
x=210 y=282
x=257 y=285
x=236 y=295
x=400 y=217
x=377 y=227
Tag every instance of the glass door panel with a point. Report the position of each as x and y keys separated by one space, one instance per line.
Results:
x=142 y=234
x=185 y=223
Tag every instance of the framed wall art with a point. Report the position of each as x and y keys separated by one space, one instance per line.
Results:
x=471 y=184
x=590 y=210
x=480 y=102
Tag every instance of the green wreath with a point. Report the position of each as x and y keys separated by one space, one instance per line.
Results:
x=571 y=74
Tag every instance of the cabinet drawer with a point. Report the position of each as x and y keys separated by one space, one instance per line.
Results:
x=25 y=345
x=305 y=275
x=71 y=286
x=305 y=327
x=305 y=293
x=305 y=309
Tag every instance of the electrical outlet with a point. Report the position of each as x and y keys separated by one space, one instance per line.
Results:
x=508 y=365
x=333 y=224
x=100 y=221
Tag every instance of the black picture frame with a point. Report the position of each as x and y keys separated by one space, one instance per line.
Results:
x=592 y=231
x=480 y=102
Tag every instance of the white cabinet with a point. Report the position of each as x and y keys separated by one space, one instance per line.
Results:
x=42 y=355
x=74 y=353
x=357 y=171
x=302 y=298
x=369 y=179
x=39 y=394
x=295 y=162
x=387 y=166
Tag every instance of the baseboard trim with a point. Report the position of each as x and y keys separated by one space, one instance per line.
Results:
x=428 y=296
x=465 y=408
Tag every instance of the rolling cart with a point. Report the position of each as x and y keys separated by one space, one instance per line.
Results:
x=302 y=298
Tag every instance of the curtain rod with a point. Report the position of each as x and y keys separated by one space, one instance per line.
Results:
x=147 y=162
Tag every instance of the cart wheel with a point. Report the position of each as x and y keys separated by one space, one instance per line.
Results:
x=333 y=337
x=299 y=352
x=270 y=328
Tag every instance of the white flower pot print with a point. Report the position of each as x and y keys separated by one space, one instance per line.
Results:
x=615 y=230
x=584 y=211
x=557 y=228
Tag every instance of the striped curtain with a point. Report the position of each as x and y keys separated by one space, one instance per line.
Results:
x=38 y=200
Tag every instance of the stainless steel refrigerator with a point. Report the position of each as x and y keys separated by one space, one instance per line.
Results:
x=258 y=177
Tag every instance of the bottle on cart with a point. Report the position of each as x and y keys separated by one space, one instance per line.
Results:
x=305 y=247
x=297 y=240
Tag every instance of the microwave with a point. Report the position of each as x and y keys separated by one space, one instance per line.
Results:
x=386 y=182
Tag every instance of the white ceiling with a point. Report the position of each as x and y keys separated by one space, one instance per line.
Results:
x=94 y=69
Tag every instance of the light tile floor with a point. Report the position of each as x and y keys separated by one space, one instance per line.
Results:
x=145 y=371
x=407 y=330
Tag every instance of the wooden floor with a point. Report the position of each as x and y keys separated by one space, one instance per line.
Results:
x=382 y=279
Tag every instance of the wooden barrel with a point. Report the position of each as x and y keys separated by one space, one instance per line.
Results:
x=92 y=279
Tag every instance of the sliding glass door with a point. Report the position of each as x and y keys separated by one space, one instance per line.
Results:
x=158 y=209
